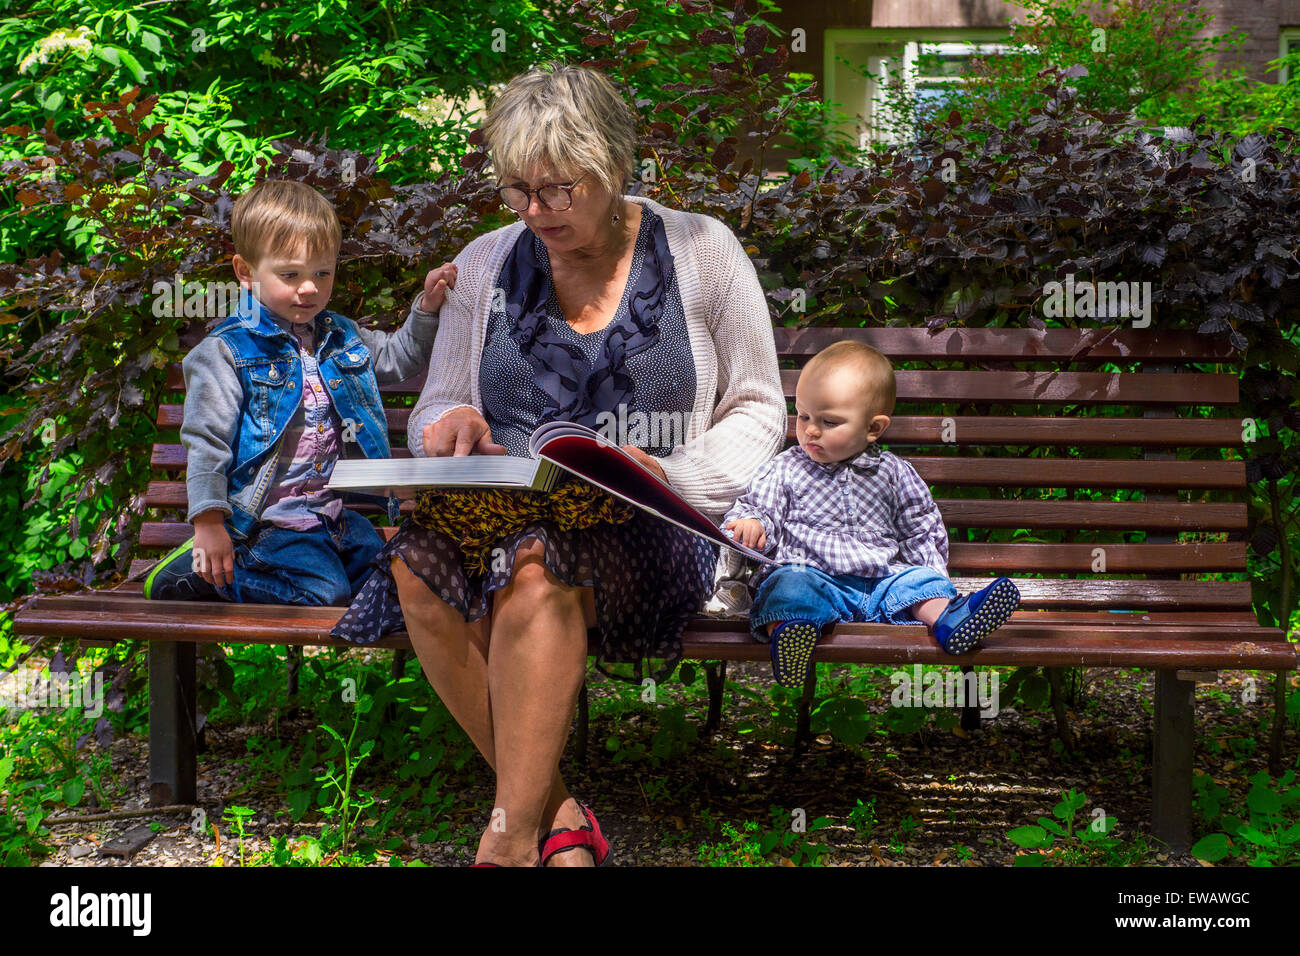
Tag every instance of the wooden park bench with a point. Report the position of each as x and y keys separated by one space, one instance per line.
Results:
x=1151 y=608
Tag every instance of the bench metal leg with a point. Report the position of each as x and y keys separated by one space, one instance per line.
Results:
x=1171 y=761
x=293 y=656
x=400 y=657
x=803 y=729
x=970 y=703
x=172 y=763
x=397 y=671
x=715 y=674
x=1058 y=709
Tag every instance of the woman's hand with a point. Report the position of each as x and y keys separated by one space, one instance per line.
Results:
x=647 y=461
x=460 y=431
x=436 y=284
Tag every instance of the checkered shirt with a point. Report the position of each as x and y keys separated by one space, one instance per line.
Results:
x=870 y=516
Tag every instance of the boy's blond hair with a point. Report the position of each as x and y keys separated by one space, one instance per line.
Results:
x=278 y=215
x=875 y=370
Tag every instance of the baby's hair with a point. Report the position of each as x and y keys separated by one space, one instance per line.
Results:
x=876 y=370
x=278 y=215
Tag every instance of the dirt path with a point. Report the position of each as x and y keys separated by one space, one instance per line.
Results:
x=940 y=798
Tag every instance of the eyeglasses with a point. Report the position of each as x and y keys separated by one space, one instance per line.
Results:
x=553 y=196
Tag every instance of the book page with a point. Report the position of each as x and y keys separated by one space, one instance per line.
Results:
x=595 y=459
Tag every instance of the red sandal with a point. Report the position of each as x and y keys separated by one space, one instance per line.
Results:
x=566 y=838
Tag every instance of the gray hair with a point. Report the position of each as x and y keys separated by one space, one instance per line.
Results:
x=568 y=116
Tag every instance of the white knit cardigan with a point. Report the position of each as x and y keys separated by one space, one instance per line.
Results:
x=739 y=417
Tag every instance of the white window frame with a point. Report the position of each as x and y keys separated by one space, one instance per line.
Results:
x=911 y=44
x=1285 y=38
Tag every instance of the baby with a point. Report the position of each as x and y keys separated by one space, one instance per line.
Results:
x=858 y=533
x=274 y=395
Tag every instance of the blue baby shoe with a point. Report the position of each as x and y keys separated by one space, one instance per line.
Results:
x=792 y=650
x=971 y=618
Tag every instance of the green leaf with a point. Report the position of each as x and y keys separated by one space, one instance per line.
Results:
x=311 y=851
x=849 y=730
x=151 y=43
x=1258 y=837
x=132 y=64
x=1107 y=824
x=53 y=102
x=1035 y=692
x=1030 y=838
x=1212 y=848
x=108 y=54
x=1263 y=801
x=73 y=790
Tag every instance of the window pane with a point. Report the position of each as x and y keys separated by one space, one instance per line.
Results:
x=938 y=65
x=932 y=100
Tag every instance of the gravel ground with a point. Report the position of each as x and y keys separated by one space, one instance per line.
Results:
x=943 y=798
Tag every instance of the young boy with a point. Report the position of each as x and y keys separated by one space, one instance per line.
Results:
x=864 y=535
x=274 y=395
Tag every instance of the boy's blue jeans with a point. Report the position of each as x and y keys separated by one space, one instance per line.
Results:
x=326 y=565
x=801 y=591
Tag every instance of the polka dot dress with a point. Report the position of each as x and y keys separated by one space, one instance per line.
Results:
x=648 y=576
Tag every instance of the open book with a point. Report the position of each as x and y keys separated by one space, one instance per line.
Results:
x=555 y=447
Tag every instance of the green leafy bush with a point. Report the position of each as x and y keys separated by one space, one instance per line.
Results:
x=1268 y=835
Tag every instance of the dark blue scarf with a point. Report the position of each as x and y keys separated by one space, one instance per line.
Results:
x=574 y=392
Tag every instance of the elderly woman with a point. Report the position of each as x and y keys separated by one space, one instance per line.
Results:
x=593 y=300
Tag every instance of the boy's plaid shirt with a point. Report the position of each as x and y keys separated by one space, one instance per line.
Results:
x=869 y=516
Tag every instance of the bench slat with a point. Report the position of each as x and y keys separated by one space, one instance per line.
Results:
x=1012 y=345
x=1100 y=644
x=918 y=344
x=971 y=472
x=1037 y=388
x=956 y=512
x=968 y=430
x=1023 y=387
x=1078 y=472
x=1121 y=593
x=129 y=596
x=133 y=590
x=1031 y=557
x=130 y=590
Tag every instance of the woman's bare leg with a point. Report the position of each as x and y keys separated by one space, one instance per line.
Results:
x=453 y=655
x=539 y=654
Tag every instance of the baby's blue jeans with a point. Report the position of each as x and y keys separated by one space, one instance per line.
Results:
x=802 y=591
x=326 y=565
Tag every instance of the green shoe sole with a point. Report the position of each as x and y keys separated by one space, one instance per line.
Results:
x=153 y=573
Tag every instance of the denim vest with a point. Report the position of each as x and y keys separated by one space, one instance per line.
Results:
x=270 y=372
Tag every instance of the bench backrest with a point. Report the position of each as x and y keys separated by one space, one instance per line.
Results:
x=1148 y=501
